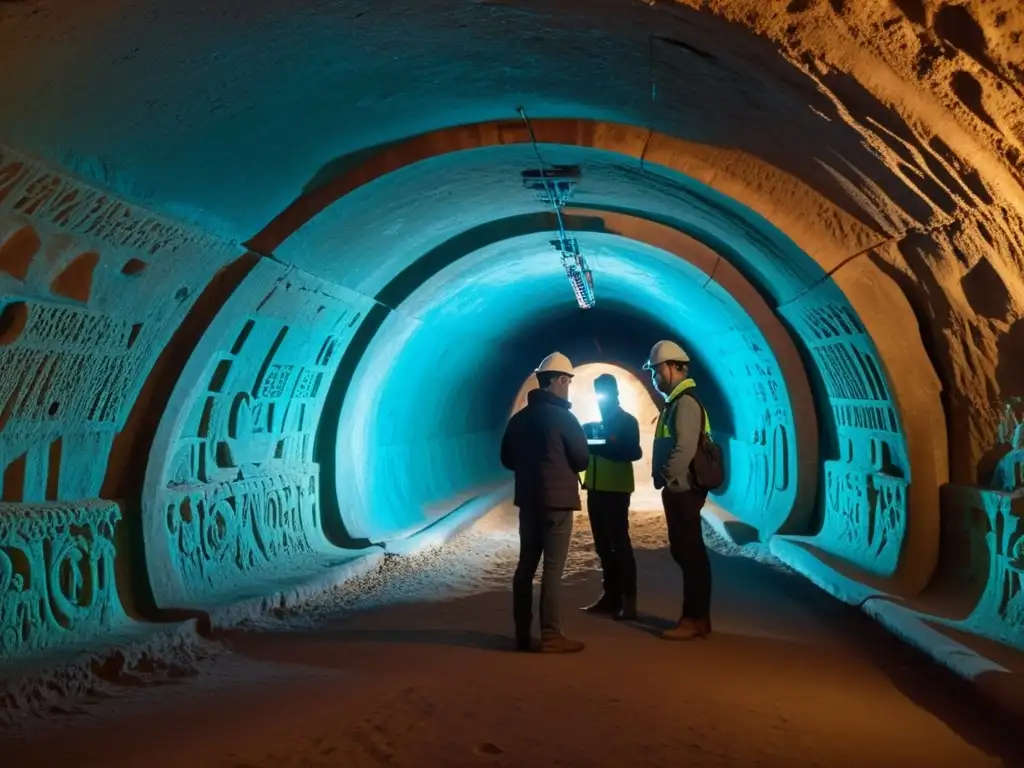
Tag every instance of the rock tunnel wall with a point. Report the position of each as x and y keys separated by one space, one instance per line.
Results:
x=913 y=201
x=417 y=437
x=93 y=290
x=232 y=490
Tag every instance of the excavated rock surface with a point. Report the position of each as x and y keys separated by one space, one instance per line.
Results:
x=948 y=124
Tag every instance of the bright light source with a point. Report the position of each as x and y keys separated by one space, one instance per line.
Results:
x=584 y=402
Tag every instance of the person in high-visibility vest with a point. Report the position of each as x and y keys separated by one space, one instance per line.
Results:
x=675 y=444
x=546 y=448
x=609 y=484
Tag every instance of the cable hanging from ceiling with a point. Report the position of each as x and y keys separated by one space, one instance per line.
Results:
x=576 y=269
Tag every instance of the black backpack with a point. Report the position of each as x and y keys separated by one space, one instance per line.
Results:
x=707 y=467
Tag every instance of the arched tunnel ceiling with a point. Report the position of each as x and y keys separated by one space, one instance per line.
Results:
x=370 y=234
x=248 y=107
x=633 y=273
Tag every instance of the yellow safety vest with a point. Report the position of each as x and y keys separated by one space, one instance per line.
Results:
x=666 y=421
x=607 y=475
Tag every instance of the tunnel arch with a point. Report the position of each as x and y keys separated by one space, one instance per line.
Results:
x=431 y=336
x=231 y=495
x=707 y=273
x=794 y=292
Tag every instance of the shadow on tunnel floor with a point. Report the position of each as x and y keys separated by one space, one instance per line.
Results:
x=964 y=706
x=459 y=638
x=765 y=619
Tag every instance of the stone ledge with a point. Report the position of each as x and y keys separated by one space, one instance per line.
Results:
x=841 y=580
x=292 y=591
x=995 y=670
x=438 y=533
x=32 y=686
x=996 y=673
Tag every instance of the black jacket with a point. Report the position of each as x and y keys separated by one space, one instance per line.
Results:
x=545 y=446
x=622 y=437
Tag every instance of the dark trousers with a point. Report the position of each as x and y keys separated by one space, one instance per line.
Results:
x=609 y=522
x=686 y=542
x=542 y=533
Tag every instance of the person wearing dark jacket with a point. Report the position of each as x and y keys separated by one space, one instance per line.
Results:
x=544 y=445
x=609 y=483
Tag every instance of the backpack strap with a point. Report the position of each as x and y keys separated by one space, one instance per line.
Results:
x=703 y=414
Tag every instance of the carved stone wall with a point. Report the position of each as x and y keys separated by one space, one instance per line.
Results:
x=992 y=523
x=231 y=493
x=761 y=459
x=1009 y=471
x=56 y=575
x=864 y=492
x=91 y=290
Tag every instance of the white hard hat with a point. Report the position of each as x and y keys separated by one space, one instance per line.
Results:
x=556 y=362
x=666 y=352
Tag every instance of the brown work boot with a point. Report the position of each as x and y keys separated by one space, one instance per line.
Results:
x=688 y=629
x=556 y=642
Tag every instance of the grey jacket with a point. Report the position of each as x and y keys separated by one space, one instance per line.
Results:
x=546 y=447
x=672 y=454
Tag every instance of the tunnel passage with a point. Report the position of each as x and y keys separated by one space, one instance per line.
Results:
x=237 y=412
x=479 y=325
x=864 y=515
x=233 y=497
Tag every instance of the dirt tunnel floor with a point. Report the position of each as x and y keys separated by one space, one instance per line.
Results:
x=421 y=675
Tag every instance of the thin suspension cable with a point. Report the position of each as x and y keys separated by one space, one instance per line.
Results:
x=547 y=187
x=572 y=261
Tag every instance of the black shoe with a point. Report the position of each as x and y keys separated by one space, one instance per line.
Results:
x=628 y=610
x=607 y=605
x=527 y=645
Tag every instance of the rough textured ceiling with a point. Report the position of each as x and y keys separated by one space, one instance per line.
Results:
x=368 y=235
x=224 y=115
